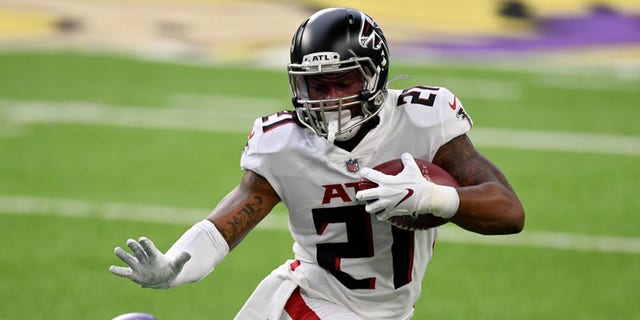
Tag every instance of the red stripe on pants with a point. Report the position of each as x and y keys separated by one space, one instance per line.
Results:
x=298 y=309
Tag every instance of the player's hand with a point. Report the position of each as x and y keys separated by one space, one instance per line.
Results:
x=408 y=193
x=148 y=267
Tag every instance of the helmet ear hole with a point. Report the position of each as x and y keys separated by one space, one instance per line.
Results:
x=365 y=95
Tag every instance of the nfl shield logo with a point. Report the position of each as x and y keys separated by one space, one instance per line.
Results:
x=352 y=165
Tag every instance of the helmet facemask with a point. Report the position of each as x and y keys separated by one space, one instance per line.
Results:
x=332 y=117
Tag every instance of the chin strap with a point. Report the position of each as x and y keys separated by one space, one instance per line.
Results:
x=336 y=122
x=332 y=128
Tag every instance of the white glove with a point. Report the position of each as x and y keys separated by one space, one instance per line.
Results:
x=148 y=267
x=407 y=193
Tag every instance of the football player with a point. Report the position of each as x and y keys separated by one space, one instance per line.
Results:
x=349 y=262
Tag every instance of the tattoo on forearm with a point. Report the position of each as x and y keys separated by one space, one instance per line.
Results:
x=246 y=218
x=247 y=214
x=243 y=208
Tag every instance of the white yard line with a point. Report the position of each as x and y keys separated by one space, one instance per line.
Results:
x=231 y=116
x=228 y=118
x=27 y=205
x=546 y=239
x=556 y=141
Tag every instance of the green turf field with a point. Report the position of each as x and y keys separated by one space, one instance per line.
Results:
x=98 y=149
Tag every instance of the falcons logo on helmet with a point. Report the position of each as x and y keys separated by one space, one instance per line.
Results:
x=369 y=36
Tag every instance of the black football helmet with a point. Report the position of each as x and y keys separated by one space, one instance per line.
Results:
x=331 y=41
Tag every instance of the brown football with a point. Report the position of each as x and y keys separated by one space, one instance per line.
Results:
x=431 y=172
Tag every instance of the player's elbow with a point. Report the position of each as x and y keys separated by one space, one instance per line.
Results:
x=492 y=210
x=506 y=223
x=513 y=217
x=515 y=223
x=508 y=215
x=508 y=210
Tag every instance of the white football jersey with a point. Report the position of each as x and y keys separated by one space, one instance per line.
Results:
x=347 y=256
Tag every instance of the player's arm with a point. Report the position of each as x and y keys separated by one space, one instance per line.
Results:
x=203 y=246
x=487 y=202
x=243 y=208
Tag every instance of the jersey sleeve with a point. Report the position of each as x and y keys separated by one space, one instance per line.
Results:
x=455 y=120
x=267 y=145
x=437 y=110
x=250 y=159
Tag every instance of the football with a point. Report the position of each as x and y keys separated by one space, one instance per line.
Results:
x=431 y=172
